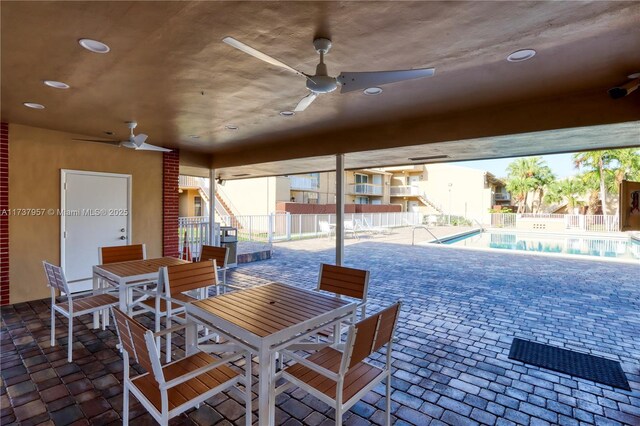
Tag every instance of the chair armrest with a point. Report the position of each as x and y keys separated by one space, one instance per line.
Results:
x=232 y=287
x=312 y=365
x=169 y=330
x=190 y=375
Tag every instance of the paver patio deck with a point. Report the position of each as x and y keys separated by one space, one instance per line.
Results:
x=461 y=310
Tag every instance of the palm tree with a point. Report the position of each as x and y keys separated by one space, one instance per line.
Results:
x=529 y=174
x=569 y=190
x=606 y=169
x=596 y=163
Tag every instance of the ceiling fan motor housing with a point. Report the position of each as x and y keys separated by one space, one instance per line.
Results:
x=322 y=84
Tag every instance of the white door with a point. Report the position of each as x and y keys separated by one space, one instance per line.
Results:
x=95 y=212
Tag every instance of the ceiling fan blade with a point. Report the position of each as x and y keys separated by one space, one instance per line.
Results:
x=262 y=56
x=306 y=101
x=351 y=81
x=98 y=140
x=149 y=147
x=139 y=140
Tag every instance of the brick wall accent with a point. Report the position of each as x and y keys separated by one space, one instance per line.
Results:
x=170 y=202
x=301 y=208
x=4 y=218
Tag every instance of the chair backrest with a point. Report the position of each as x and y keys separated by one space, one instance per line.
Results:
x=121 y=253
x=55 y=277
x=369 y=335
x=324 y=226
x=134 y=338
x=344 y=281
x=219 y=254
x=189 y=276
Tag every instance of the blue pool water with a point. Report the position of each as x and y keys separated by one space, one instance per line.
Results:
x=620 y=248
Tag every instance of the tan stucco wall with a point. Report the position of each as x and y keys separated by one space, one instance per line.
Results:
x=35 y=159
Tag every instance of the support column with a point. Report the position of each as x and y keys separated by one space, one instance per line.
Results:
x=212 y=206
x=339 y=209
x=4 y=218
x=170 y=200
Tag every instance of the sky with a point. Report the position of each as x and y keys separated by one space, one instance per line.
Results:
x=560 y=164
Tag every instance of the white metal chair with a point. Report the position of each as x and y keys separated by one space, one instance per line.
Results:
x=116 y=254
x=169 y=390
x=171 y=296
x=220 y=255
x=325 y=228
x=352 y=227
x=75 y=304
x=342 y=281
x=341 y=379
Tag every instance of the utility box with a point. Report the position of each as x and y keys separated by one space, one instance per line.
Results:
x=229 y=238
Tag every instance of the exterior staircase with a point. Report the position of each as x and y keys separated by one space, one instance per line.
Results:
x=427 y=202
x=222 y=207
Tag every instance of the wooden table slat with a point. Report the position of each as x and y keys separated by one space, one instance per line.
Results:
x=253 y=316
x=139 y=267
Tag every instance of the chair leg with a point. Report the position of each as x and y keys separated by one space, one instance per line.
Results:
x=247 y=384
x=387 y=410
x=53 y=327
x=168 y=339
x=125 y=404
x=157 y=329
x=338 y=415
x=70 y=338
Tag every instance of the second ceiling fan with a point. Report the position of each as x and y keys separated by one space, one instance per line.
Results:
x=321 y=82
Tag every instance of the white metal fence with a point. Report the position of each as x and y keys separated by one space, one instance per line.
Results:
x=194 y=231
x=602 y=223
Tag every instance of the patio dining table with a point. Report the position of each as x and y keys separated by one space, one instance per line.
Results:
x=264 y=320
x=129 y=274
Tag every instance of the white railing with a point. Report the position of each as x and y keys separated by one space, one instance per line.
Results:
x=286 y=226
x=193 y=182
x=304 y=183
x=365 y=189
x=194 y=232
x=404 y=190
x=604 y=223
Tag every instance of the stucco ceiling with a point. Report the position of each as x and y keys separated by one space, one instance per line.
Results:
x=169 y=70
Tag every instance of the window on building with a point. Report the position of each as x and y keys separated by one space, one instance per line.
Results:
x=362 y=200
x=197 y=206
x=376 y=202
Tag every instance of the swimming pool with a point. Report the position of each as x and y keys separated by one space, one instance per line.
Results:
x=598 y=246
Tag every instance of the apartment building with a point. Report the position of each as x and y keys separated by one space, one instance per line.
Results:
x=430 y=189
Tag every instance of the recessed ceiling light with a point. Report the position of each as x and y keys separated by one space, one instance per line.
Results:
x=33 y=105
x=94 y=46
x=194 y=136
x=521 y=55
x=287 y=113
x=634 y=75
x=232 y=127
x=372 y=91
x=56 y=84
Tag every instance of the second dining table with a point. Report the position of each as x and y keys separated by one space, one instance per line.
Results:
x=129 y=274
x=264 y=320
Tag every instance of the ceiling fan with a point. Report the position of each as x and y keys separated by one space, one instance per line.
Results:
x=136 y=142
x=321 y=82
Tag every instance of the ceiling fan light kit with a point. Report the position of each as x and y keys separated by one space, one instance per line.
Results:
x=321 y=82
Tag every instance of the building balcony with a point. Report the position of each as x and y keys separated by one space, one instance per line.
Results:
x=193 y=182
x=405 y=191
x=365 y=189
x=304 y=183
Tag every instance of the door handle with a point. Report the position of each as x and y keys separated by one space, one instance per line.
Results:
x=123 y=237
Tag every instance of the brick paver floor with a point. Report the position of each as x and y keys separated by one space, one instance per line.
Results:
x=461 y=310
